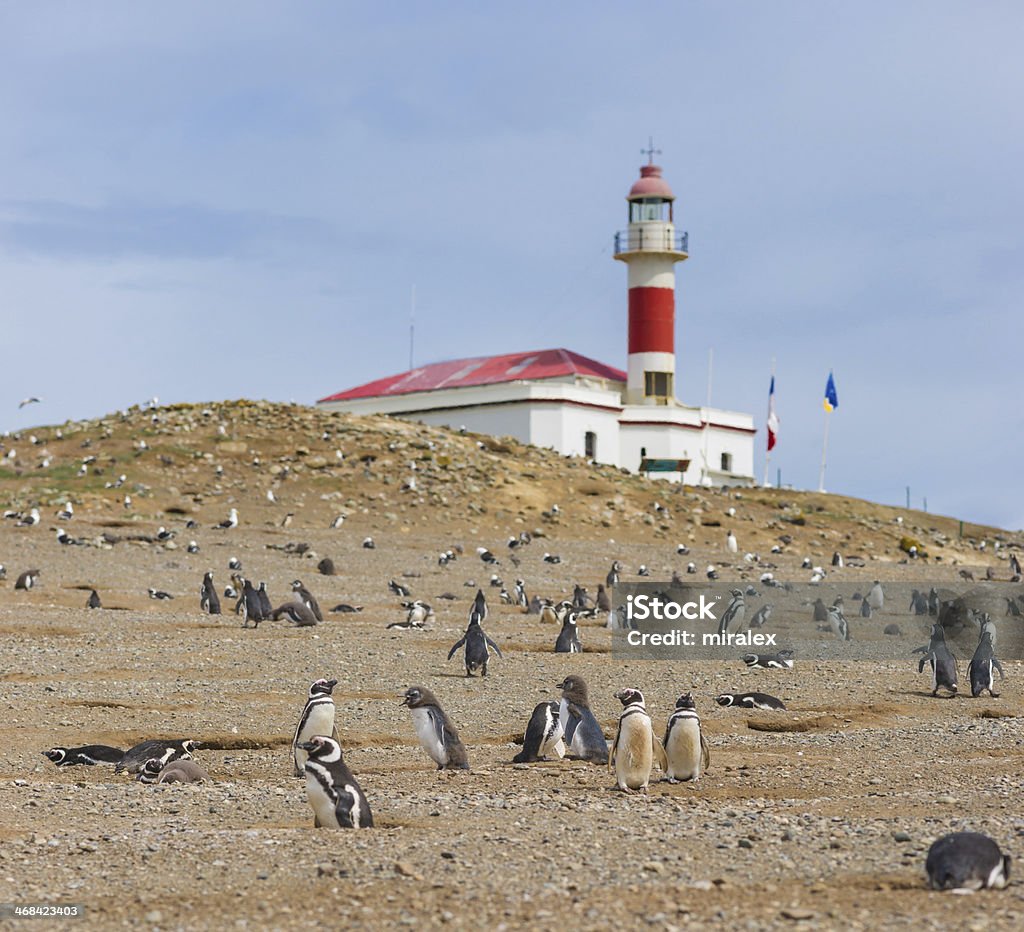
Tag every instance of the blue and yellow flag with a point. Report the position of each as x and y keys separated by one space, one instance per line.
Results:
x=831 y=398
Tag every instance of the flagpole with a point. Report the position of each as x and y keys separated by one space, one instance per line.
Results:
x=824 y=452
x=768 y=453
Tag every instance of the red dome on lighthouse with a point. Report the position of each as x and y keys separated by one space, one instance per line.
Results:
x=651 y=184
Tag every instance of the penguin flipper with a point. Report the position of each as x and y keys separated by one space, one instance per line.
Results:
x=920 y=666
x=316 y=821
x=705 y=753
x=999 y=667
x=491 y=643
x=660 y=757
x=456 y=646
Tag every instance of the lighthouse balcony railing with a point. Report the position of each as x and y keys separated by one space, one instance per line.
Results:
x=642 y=240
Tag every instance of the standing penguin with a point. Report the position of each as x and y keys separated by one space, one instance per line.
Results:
x=865 y=608
x=686 y=750
x=980 y=669
x=208 y=600
x=944 y=666
x=543 y=735
x=584 y=739
x=569 y=637
x=437 y=735
x=317 y=718
x=94 y=600
x=335 y=795
x=304 y=595
x=966 y=861
x=604 y=604
x=876 y=597
x=734 y=614
x=635 y=748
x=480 y=605
x=838 y=623
x=731 y=544
x=478 y=647
x=266 y=606
x=251 y=605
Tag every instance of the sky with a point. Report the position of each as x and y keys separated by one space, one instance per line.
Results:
x=207 y=201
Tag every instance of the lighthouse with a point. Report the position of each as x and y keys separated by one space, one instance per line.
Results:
x=650 y=247
x=564 y=401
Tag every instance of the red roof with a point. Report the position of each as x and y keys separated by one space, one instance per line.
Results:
x=651 y=184
x=484 y=370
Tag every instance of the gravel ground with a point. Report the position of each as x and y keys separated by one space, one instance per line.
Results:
x=823 y=822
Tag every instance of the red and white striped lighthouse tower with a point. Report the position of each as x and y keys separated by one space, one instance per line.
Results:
x=651 y=248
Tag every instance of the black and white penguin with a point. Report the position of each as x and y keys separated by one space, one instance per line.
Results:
x=552 y=558
x=27 y=579
x=208 y=600
x=751 y=701
x=838 y=623
x=150 y=772
x=519 y=596
x=918 y=603
x=192 y=547
x=165 y=751
x=982 y=663
x=251 y=605
x=437 y=735
x=583 y=737
x=230 y=522
x=346 y=609
x=478 y=646
x=235 y=564
x=783 y=660
x=94 y=600
x=686 y=750
x=89 y=755
x=734 y=614
x=943 y=663
x=489 y=558
x=417 y=615
x=612 y=579
x=317 y=718
x=876 y=597
x=761 y=616
x=480 y=605
x=304 y=595
x=398 y=589
x=636 y=748
x=579 y=596
x=568 y=641
x=601 y=600
x=334 y=793
x=160 y=595
x=266 y=607
x=543 y=735
x=865 y=608
x=965 y=862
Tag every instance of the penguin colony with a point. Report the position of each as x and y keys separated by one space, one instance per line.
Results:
x=569 y=728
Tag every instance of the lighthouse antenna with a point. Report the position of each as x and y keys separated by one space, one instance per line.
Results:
x=650 y=151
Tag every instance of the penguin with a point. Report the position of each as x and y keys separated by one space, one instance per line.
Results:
x=735 y=614
x=751 y=701
x=27 y=579
x=298 y=612
x=150 y=772
x=612 y=579
x=183 y=771
x=979 y=671
x=249 y=602
x=398 y=589
x=265 y=605
x=918 y=603
x=933 y=601
x=487 y=557
x=192 y=547
x=583 y=737
x=334 y=794
x=553 y=558
x=317 y=718
x=480 y=605
x=838 y=623
x=235 y=564
x=820 y=611
x=865 y=608
x=478 y=647
x=419 y=613
x=761 y=616
x=731 y=544
x=89 y=755
x=437 y=735
x=368 y=544
x=304 y=595
x=326 y=567
x=579 y=596
x=782 y=660
x=944 y=665
x=604 y=604
x=569 y=637
x=94 y=600
x=166 y=751
x=543 y=735
x=837 y=560
x=519 y=595
x=636 y=748
x=876 y=597
x=208 y=600
x=160 y=595
x=965 y=862
x=346 y=609
x=686 y=750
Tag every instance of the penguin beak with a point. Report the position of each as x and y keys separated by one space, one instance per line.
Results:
x=560 y=685
x=405 y=699
x=307 y=745
x=332 y=683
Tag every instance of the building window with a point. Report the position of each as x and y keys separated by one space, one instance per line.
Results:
x=658 y=384
x=590 y=445
x=654 y=208
x=726 y=462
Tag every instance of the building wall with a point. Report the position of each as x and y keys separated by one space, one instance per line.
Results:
x=564 y=428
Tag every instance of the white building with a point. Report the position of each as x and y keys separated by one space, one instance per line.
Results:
x=577 y=406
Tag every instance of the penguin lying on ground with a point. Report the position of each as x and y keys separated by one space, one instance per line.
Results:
x=966 y=861
x=89 y=754
x=166 y=751
x=750 y=701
